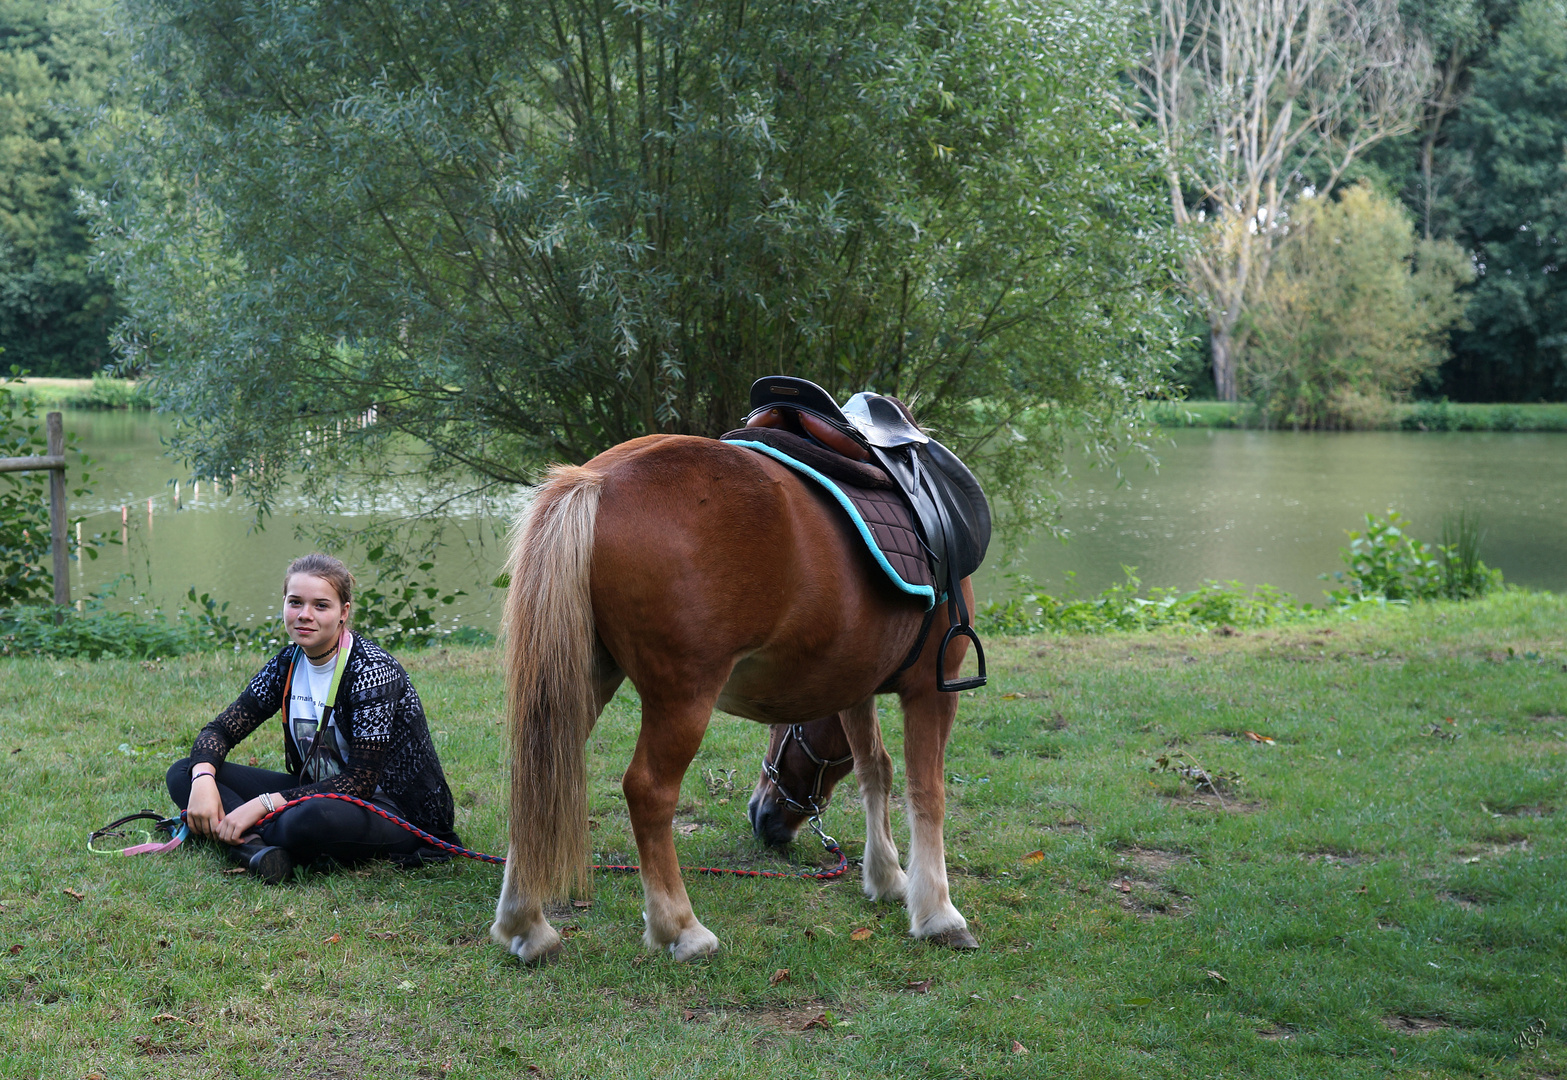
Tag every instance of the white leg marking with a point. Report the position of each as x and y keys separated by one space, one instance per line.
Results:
x=931 y=914
x=520 y=924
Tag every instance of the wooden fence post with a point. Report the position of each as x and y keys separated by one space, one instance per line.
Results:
x=57 y=515
x=54 y=462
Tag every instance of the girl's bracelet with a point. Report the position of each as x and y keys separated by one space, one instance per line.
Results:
x=266 y=800
x=194 y=776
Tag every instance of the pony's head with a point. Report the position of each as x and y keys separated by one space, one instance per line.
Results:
x=803 y=763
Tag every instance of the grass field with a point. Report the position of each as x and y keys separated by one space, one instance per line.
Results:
x=1379 y=889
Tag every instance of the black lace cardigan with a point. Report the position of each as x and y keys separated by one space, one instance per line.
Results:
x=380 y=714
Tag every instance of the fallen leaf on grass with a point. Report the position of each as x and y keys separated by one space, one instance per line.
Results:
x=820 y=1021
x=330 y=940
x=582 y=905
x=861 y=933
x=687 y=830
x=921 y=987
x=1216 y=977
x=1010 y=697
x=235 y=870
x=1033 y=857
x=1254 y=737
x=405 y=985
x=781 y=975
x=384 y=935
x=16 y=949
x=688 y=1015
x=164 y=1018
x=74 y=895
x=1121 y=886
x=253 y=762
x=1018 y=1048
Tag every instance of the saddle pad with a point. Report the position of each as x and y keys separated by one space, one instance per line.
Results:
x=878 y=514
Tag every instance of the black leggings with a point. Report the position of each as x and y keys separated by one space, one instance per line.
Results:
x=315 y=829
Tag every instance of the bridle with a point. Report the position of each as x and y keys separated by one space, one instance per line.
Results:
x=812 y=806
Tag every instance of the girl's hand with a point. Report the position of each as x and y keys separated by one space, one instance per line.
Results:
x=236 y=826
x=204 y=813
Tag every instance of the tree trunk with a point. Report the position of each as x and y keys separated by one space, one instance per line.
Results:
x=1226 y=350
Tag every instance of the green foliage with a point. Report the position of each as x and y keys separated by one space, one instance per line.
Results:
x=1122 y=607
x=26 y=566
x=397 y=609
x=1512 y=136
x=527 y=232
x=55 y=66
x=1355 y=313
x=1386 y=563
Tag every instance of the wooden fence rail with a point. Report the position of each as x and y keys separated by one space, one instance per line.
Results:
x=55 y=463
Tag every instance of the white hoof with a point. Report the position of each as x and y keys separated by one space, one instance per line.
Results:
x=540 y=943
x=947 y=927
x=691 y=943
x=884 y=886
x=696 y=942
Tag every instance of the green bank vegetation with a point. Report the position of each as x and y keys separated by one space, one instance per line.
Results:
x=1408 y=416
x=1331 y=848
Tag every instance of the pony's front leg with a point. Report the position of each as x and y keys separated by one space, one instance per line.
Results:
x=668 y=741
x=880 y=875
x=927 y=722
x=519 y=923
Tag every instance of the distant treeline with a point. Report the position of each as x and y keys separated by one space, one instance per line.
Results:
x=1464 y=199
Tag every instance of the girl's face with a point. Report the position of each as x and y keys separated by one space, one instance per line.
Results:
x=312 y=613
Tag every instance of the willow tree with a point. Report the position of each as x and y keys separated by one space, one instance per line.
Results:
x=523 y=232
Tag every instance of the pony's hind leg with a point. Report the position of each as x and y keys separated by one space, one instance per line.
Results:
x=670 y=736
x=880 y=875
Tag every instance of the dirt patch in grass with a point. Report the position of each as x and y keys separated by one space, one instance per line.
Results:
x=1463 y=900
x=1414 y=1025
x=1473 y=853
x=1152 y=860
x=1275 y=1032
x=800 y=1018
x=1147 y=898
x=1336 y=857
x=1535 y=810
x=1223 y=804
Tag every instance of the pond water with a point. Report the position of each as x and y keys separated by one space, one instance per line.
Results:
x=1268 y=506
x=1251 y=506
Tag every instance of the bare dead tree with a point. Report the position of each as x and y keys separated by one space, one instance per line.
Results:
x=1254 y=99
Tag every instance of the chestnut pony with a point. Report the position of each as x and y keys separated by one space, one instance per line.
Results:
x=711 y=577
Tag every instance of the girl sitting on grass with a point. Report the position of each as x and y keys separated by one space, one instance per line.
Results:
x=352 y=724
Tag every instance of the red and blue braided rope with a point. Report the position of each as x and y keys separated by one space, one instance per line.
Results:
x=498 y=860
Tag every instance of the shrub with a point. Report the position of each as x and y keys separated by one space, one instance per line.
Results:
x=1122 y=607
x=1355 y=311
x=1386 y=563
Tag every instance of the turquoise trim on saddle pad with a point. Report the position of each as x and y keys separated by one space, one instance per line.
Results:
x=924 y=592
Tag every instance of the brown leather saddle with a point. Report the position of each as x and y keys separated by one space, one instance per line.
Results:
x=923 y=515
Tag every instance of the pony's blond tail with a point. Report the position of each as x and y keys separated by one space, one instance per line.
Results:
x=550 y=694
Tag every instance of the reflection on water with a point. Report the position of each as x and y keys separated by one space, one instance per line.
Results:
x=211 y=542
x=1273 y=507
x=1252 y=506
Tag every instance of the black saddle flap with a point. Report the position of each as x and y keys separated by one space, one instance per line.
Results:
x=951 y=507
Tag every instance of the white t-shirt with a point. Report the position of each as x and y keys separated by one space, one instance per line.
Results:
x=307 y=701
